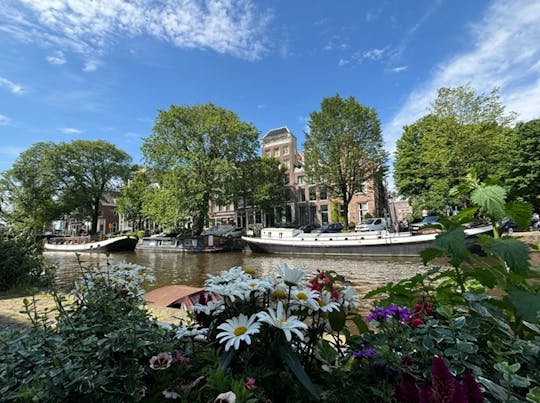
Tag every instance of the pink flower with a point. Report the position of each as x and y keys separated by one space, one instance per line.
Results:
x=250 y=383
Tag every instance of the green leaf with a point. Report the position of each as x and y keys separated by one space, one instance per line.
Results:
x=526 y=304
x=225 y=359
x=453 y=244
x=429 y=254
x=361 y=325
x=491 y=200
x=534 y=395
x=291 y=359
x=337 y=320
x=498 y=391
x=512 y=251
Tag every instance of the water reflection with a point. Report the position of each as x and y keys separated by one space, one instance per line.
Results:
x=365 y=273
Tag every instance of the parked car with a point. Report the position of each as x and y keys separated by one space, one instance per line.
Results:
x=373 y=224
x=227 y=231
x=332 y=227
x=431 y=221
x=309 y=228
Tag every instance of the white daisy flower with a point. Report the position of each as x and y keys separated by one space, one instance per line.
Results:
x=349 y=298
x=211 y=307
x=189 y=331
x=305 y=297
x=290 y=276
x=278 y=318
x=238 y=329
x=255 y=284
x=232 y=291
x=326 y=304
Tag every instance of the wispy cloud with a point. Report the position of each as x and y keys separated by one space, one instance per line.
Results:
x=57 y=58
x=502 y=55
x=4 y=120
x=91 y=27
x=11 y=151
x=16 y=89
x=70 y=130
x=398 y=69
x=374 y=54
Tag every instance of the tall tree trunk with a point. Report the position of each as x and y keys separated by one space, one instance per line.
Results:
x=95 y=215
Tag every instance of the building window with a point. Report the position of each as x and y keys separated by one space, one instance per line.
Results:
x=312 y=193
x=302 y=195
x=285 y=150
x=323 y=193
x=286 y=164
x=287 y=179
x=300 y=180
x=362 y=211
x=324 y=214
x=276 y=152
x=268 y=153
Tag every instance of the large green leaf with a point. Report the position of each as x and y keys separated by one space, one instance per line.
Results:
x=291 y=359
x=526 y=304
x=491 y=200
x=337 y=320
x=452 y=243
x=512 y=251
x=520 y=212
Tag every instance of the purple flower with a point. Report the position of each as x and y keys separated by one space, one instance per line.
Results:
x=443 y=383
x=474 y=395
x=367 y=352
x=393 y=311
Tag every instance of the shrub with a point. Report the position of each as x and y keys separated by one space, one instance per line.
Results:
x=20 y=262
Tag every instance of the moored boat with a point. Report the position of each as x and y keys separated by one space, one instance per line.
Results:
x=197 y=244
x=376 y=243
x=83 y=244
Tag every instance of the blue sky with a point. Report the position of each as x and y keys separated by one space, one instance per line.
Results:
x=102 y=69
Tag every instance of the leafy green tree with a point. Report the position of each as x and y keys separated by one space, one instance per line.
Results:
x=261 y=182
x=343 y=148
x=51 y=179
x=131 y=199
x=463 y=133
x=524 y=162
x=29 y=189
x=86 y=171
x=200 y=146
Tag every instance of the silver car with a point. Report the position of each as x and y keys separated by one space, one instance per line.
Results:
x=373 y=224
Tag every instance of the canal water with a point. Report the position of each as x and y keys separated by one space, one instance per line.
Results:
x=365 y=273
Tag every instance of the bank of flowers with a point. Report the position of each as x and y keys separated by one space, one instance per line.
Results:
x=291 y=336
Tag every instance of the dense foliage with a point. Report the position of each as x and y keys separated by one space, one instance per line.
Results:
x=20 y=261
x=195 y=151
x=464 y=132
x=130 y=202
x=524 y=162
x=343 y=148
x=49 y=179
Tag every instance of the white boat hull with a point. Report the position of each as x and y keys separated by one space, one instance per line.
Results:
x=381 y=243
x=118 y=244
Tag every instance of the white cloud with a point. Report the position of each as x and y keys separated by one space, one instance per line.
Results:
x=374 y=54
x=4 y=120
x=57 y=58
x=16 y=89
x=11 y=151
x=399 y=69
x=70 y=130
x=503 y=54
x=343 y=62
x=91 y=27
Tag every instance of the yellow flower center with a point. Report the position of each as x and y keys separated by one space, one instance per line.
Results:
x=301 y=295
x=282 y=320
x=279 y=294
x=321 y=303
x=239 y=331
x=249 y=270
x=252 y=284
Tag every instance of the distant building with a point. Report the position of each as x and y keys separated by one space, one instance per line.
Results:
x=307 y=204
